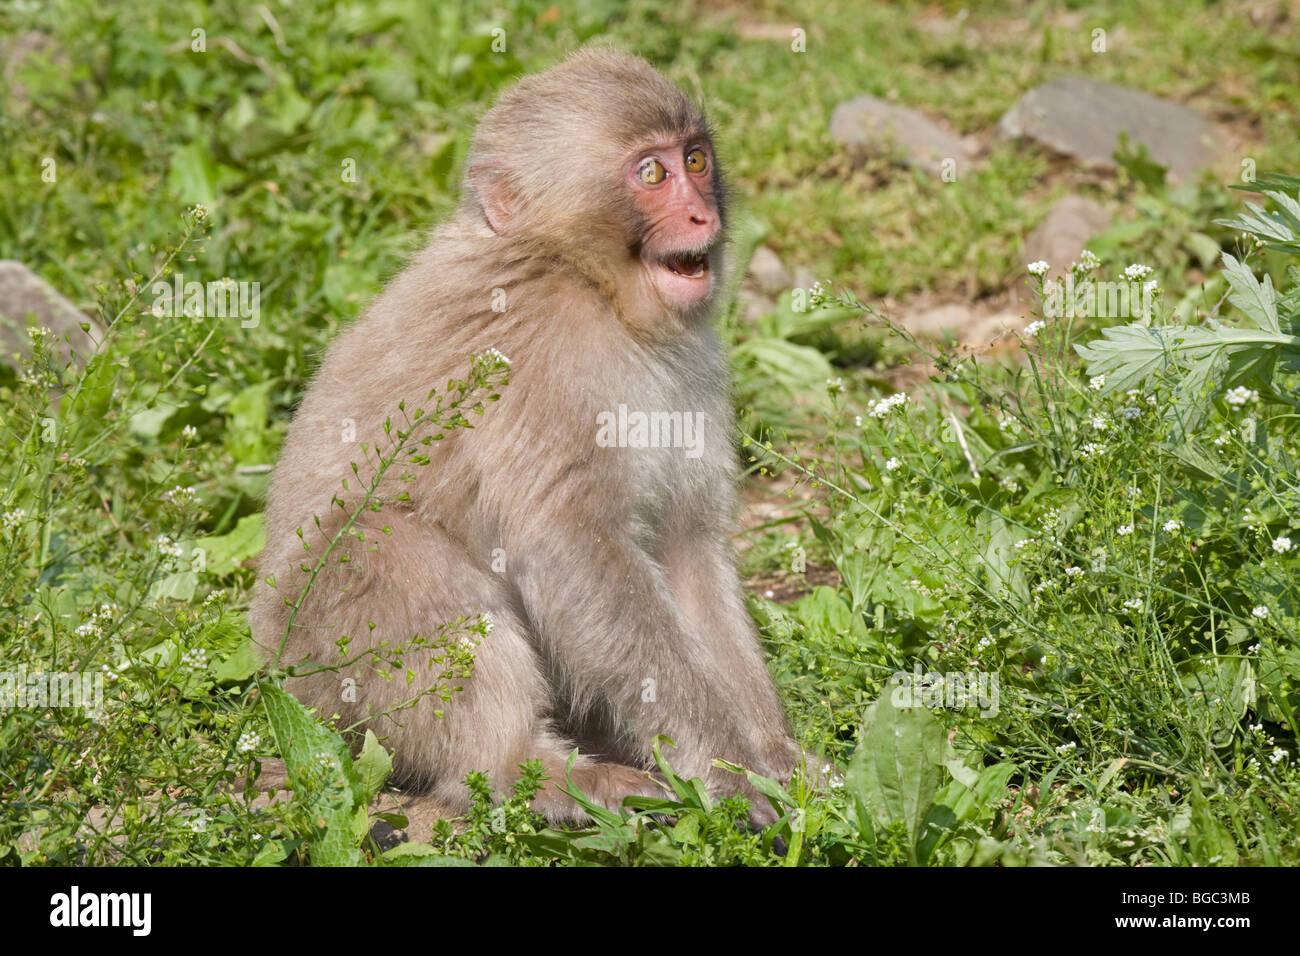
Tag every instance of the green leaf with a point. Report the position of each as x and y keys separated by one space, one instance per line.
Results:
x=1256 y=300
x=1003 y=575
x=192 y=177
x=1280 y=229
x=898 y=766
x=321 y=775
x=601 y=816
x=224 y=552
x=176 y=587
x=272 y=853
x=1128 y=355
x=373 y=766
x=150 y=421
x=239 y=666
x=248 y=437
x=419 y=854
x=797 y=367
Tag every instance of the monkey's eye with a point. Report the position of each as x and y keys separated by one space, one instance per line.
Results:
x=696 y=161
x=651 y=171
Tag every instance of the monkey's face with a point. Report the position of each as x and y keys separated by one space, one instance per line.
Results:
x=674 y=187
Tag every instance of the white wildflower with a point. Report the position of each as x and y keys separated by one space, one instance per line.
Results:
x=180 y=496
x=882 y=407
x=189 y=433
x=1260 y=612
x=12 y=519
x=892 y=463
x=1239 y=396
x=1038 y=268
x=1137 y=271
x=1282 y=544
x=1097 y=383
x=1133 y=604
x=1124 y=530
x=1173 y=526
x=1033 y=328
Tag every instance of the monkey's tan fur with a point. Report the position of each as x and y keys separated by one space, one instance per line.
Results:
x=618 y=615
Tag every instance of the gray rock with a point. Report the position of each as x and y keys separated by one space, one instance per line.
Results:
x=870 y=126
x=768 y=272
x=1082 y=118
x=1065 y=232
x=26 y=300
x=970 y=325
x=753 y=304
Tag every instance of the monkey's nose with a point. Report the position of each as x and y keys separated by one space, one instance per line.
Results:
x=705 y=219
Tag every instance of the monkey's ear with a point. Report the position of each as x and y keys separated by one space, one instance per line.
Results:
x=495 y=195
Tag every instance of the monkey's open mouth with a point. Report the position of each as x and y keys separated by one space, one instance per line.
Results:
x=688 y=265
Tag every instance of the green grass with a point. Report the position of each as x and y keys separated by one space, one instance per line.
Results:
x=1164 y=733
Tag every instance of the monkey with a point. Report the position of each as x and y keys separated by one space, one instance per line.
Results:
x=586 y=513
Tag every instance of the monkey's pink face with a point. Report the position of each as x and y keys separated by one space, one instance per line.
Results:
x=673 y=185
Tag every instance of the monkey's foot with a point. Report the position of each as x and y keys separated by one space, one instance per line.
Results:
x=605 y=783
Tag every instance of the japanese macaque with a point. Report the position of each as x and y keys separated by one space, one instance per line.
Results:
x=586 y=512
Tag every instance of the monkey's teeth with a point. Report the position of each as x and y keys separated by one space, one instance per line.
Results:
x=688 y=265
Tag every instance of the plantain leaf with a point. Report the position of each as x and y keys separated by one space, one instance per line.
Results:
x=898 y=766
x=321 y=775
x=373 y=765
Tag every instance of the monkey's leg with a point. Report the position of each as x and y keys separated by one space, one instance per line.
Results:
x=606 y=614
x=668 y=649
x=495 y=723
x=706 y=586
x=411 y=581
